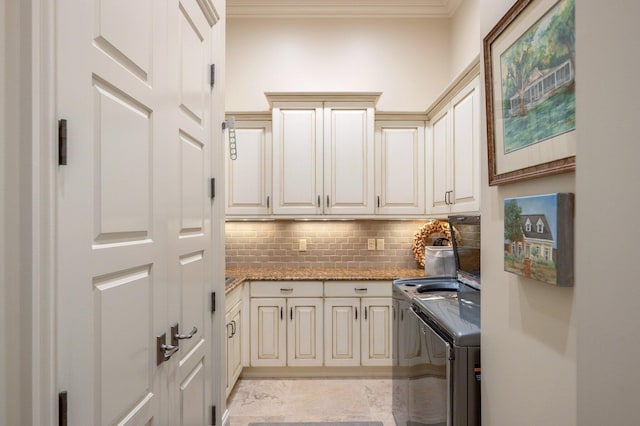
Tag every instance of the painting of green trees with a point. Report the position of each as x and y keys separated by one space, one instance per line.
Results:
x=538 y=80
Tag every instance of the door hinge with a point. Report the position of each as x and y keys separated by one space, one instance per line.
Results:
x=212 y=75
x=213 y=301
x=213 y=415
x=62 y=408
x=213 y=188
x=62 y=142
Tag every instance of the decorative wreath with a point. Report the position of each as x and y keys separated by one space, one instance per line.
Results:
x=425 y=237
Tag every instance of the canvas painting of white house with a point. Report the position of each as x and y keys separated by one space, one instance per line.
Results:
x=538 y=237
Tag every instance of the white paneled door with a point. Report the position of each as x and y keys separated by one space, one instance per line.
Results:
x=134 y=216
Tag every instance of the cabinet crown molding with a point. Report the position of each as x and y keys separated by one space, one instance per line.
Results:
x=273 y=97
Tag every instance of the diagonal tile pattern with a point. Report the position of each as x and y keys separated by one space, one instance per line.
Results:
x=310 y=400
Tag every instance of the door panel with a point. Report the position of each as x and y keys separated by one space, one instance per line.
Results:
x=400 y=157
x=123 y=157
x=123 y=357
x=439 y=173
x=192 y=397
x=348 y=160
x=304 y=332
x=134 y=221
x=190 y=237
x=249 y=175
x=268 y=333
x=125 y=34
x=193 y=197
x=376 y=331
x=297 y=160
x=463 y=147
x=342 y=331
x=111 y=272
x=193 y=285
x=193 y=54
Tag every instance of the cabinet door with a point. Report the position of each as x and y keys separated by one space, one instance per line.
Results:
x=249 y=175
x=377 y=332
x=304 y=332
x=342 y=331
x=465 y=142
x=268 y=333
x=297 y=159
x=348 y=159
x=234 y=346
x=438 y=164
x=400 y=168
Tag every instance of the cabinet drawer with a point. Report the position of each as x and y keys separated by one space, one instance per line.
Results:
x=357 y=289
x=286 y=289
x=232 y=298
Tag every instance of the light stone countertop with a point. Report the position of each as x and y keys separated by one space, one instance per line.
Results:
x=241 y=275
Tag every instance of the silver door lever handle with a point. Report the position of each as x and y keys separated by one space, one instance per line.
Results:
x=186 y=336
x=169 y=350
x=164 y=351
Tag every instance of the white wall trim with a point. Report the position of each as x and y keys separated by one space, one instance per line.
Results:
x=43 y=173
x=340 y=9
x=3 y=239
x=226 y=418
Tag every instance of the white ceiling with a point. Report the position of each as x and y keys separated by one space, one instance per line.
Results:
x=341 y=8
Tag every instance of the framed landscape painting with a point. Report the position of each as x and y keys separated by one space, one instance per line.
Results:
x=538 y=237
x=529 y=61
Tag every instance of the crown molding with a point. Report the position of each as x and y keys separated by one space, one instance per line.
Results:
x=342 y=8
x=274 y=97
x=400 y=116
x=249 y=115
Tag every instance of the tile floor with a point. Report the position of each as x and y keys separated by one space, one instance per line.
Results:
x=310 y=400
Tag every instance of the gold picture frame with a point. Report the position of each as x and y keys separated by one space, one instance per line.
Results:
x=529 y=64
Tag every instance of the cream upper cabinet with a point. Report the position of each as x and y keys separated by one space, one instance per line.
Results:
x=323 y=158
x=348 y=159
x=249 y=172
x=453 y=154
x=400 y=171
x=298 y=159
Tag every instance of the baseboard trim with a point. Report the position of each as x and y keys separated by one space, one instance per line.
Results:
x=312 y=372
x=226 y=418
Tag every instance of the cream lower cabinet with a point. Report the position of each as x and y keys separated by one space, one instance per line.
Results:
x=358 y=328
x=286 y=330
x=234 y=325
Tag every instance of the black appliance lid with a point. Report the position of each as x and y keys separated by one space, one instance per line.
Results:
x=455 y=314
x=467 y=258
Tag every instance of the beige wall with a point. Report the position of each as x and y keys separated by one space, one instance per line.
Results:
x=608 y=294
x=408 y=60
x=528 y=328
x=465 y=27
